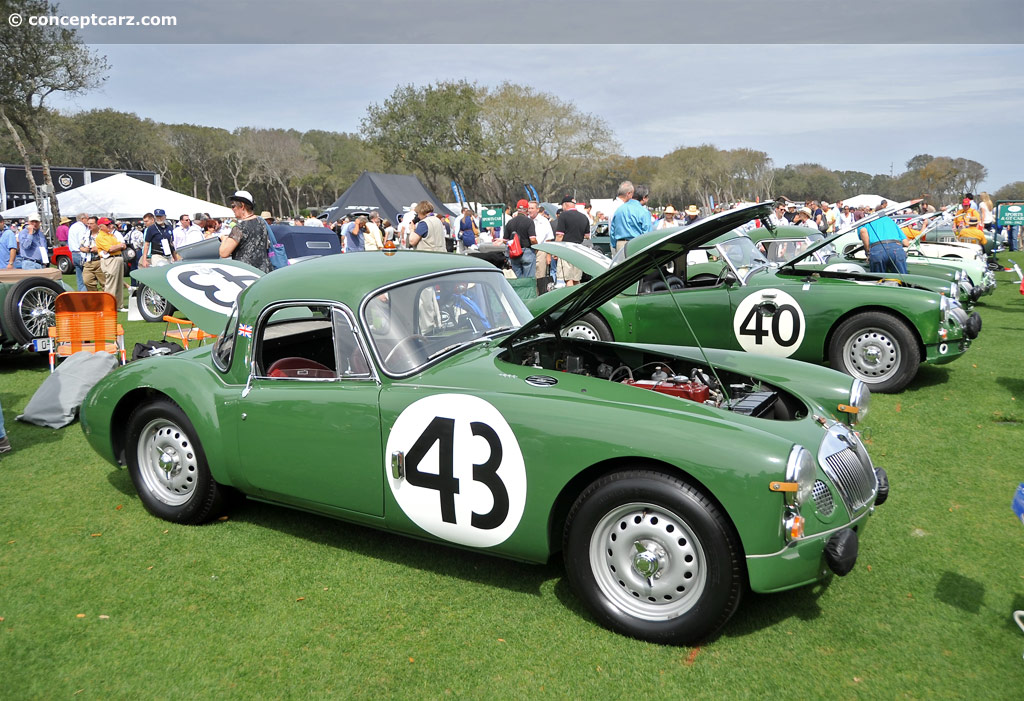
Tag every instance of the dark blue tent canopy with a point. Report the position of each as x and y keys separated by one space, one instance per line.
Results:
x=391 y=194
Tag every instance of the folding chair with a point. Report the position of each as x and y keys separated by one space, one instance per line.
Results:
x=185 y=331
x=85 y=321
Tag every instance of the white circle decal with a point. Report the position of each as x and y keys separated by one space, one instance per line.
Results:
x=769 y=322
x=212 y=286
x=463 y=478
x=1013 y=208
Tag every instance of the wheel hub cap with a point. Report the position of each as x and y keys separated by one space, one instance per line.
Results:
x=647 y=562
x=872 y=354
x=168 y=462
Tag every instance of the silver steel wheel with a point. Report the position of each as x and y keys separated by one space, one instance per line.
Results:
x=872 y=354
x=583 y=330
x=37 y=310
x=647 y=561
x=167 y=462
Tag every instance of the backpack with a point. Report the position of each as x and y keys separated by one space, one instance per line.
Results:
x=275 y=251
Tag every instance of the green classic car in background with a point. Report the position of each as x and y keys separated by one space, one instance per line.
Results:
x=727 y=295
x=416 y=394
x=27 y=299
x=818 y=254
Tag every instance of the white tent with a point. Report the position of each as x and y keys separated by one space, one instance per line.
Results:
x=866 y=201
x=124 y=197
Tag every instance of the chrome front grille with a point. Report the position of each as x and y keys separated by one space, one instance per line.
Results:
x=823 y=498
x=854 y=478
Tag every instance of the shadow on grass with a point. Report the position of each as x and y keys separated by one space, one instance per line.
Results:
x=121 y=481
x=755 y=613
x=1014 y=384
x=961 y=592
x=760 y=611
x=399 y=549
x=929 y=376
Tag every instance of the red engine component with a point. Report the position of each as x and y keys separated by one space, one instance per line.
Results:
x=683 y=390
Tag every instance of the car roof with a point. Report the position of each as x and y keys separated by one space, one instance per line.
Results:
x=349 y=277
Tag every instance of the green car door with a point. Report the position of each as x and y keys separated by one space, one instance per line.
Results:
x=308 y=360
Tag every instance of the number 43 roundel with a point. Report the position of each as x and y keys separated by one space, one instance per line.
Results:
x=464 y=479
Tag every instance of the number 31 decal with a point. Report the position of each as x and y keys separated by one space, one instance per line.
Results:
x=464 y=478
x=769 y=322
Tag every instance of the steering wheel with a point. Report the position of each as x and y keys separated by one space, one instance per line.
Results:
x=409 y=353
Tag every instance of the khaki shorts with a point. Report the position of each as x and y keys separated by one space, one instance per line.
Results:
x=568 y=271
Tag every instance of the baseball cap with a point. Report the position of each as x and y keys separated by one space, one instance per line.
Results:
x=568 y=198
x=522 y=204
x=241 y=196
x=159 y=213
x=33 y=217
x=105 y=221
x=966 y=202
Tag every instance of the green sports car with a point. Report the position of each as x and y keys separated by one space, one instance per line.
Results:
x=415 y=393
x=726 y=294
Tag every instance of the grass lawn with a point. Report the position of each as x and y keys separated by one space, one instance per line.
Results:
x=99 y=599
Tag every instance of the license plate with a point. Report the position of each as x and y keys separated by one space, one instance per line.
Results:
x=41 y=344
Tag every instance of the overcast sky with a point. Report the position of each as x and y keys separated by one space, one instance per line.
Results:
x=867 y=108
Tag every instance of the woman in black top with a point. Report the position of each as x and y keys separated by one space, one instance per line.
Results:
x=248 y=241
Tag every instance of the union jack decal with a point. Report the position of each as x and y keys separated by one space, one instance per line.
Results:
x=245 y=330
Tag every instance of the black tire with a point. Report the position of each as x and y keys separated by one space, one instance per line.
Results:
x=685 y=583
x=65 y=265
x=29 y=308
x=152 y=307
x=878 y=349
x=168 y=466
x=590 y=327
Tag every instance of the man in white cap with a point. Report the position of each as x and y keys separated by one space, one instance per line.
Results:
x=31 y=246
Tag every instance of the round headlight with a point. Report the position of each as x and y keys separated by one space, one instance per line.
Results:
x=860 y=397
x=801 y=469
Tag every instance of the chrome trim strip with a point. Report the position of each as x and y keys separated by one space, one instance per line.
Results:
x=811 y=538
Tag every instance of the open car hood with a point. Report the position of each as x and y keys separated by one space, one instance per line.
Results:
x=643 y=253
x=856 y=226
x=589 y=260
x=204 y=291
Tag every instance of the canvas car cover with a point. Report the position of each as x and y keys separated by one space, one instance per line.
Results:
x=57 y=401
x=390 y=194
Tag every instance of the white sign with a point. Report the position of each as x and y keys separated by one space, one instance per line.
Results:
x=769 y=322
x=464 y=479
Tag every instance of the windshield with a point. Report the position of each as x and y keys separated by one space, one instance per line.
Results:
x=781 y=250
x=415 y=322
x=742 y=256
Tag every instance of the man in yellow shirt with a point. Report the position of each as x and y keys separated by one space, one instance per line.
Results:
x=963 y=215
x=972 y=233
x=110 y=245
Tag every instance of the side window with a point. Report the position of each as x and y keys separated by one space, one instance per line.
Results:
x=352 y=360
x=296 y=342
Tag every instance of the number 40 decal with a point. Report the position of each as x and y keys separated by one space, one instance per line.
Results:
x=769 y=322
x=464 y=476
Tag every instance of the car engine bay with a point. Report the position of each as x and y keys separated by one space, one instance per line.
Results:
x=678 y=377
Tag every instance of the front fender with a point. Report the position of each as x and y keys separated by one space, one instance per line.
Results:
x=191 y=384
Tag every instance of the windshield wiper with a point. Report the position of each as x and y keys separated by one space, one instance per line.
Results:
x=499 y=329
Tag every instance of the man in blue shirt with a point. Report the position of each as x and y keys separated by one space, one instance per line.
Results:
x=631 y=219
x=8 y=245
x=31 y=245
x=885 y=245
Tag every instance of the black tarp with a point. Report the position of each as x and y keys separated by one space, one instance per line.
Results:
x=391 y=194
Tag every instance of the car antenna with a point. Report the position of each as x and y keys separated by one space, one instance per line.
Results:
x=700 y=346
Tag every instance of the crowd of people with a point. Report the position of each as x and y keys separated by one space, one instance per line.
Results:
x=103 y=250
